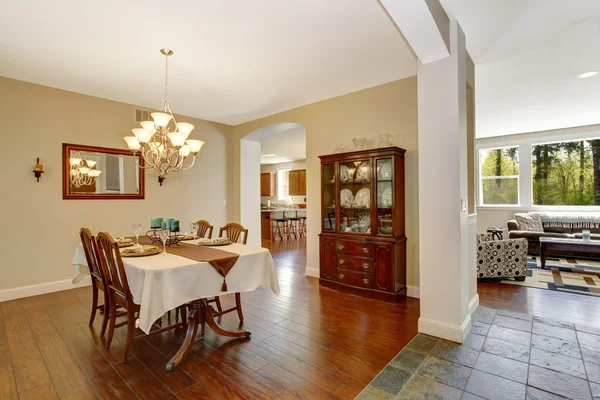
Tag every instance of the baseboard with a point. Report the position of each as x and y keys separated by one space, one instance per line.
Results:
x=42 y=288
x=473 y=304
x=413 y=291
x=446 y=331
x=312 y=272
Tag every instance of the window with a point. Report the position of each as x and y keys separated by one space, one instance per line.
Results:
x=283 y=184
x=566 y=173
x=499 y=176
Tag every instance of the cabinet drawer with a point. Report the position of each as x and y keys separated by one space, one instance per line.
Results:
x=357 y=279
x=356 y=264
x=354 y=248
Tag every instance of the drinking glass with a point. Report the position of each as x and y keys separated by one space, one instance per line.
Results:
x=163 y=234
x=195 y=226
x=137 y=229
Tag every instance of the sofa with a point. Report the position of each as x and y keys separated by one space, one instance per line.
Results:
x=501 y=258
x=553 y=224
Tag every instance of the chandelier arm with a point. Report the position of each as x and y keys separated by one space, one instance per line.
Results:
x=191 y=165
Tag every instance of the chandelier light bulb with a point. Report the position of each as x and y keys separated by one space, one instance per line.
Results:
x=75 y=161
x=132 y=143
x=94 y=173
x=176 y=139
x=142 y=135
x=184 y=128
x=161 y=120
x=195 y=145
x=90 y=163
x=184 y=151
x=149 y=125
x=84 y=170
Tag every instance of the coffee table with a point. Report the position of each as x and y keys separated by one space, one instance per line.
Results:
x=564 y=244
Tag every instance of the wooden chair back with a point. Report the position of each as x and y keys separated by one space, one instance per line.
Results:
x=112 y=264
x=234 y=232
x=90 y=248
x=204 y=227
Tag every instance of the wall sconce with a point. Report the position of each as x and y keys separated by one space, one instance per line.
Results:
x=38 y=170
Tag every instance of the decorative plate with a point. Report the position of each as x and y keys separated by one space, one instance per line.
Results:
x=386 y=197
x=345 y=175
x=363 y=173
x=385 y=171
x=141 y=251
x=363 y=198
x=346 y=198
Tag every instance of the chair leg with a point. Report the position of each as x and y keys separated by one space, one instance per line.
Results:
x=112 y=323
x=218 y=301
x=130 y=331
x=238 y=304
x=106 y=315
x=94 y=304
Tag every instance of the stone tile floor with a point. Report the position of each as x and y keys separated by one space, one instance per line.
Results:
x=507 y=355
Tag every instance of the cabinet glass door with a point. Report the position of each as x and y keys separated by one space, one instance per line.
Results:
x=355 y=196
x=328 y=190
x=385 y=195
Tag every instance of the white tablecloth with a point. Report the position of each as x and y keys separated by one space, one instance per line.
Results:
x=163 y=282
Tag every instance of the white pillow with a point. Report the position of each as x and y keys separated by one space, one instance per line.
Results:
x=529 y=222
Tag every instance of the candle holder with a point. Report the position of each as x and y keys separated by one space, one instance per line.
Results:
x=38 y=170
x=174 y=236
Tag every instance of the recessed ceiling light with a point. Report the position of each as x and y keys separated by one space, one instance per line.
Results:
x=588 y=74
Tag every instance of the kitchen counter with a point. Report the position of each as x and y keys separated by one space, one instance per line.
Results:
x=281 y=209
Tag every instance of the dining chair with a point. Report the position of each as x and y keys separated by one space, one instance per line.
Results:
x=119 y=293
x=236 y=233
x=204 y=227
x=90 y=248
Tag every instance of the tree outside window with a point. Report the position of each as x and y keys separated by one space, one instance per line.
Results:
x=499 y=176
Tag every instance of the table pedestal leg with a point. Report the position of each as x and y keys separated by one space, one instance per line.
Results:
x=200 y=314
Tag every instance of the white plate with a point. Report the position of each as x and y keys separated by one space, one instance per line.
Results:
x=346 y=198
x=385 y=171
x=363 y=198
x=345 y=174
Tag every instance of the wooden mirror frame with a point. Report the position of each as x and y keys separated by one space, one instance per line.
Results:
x=66 y=181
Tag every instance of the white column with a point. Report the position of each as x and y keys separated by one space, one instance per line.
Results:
x=443 y=224
x=250 y=189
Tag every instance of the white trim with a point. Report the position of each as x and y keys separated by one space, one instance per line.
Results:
x=42 y=288
x=473 y=304
x=312 y=272
x=472 y=219
x=413 y=291
x=446 y=331
x=555 y=135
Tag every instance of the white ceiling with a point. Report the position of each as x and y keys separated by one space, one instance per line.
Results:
x=234 y=61
x=289 y=145
x=528 y=54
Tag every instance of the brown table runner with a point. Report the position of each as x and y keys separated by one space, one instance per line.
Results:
x=222 y=261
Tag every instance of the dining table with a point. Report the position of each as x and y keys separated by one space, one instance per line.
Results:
x=187 y=275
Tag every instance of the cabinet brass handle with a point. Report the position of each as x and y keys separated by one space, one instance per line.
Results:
x=341 y=261
x=341 y=276
x=365 y=249
x=341 y=247
x=366 y=281
x=365 y=266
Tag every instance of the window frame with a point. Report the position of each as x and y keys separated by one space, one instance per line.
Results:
x=281 y=186
x=481 y=177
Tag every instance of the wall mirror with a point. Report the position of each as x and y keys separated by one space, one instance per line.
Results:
x=101 y=173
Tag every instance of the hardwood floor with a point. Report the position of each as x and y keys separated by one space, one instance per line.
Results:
x=307 y=343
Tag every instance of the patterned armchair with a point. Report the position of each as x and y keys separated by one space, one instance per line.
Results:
x=501 y=258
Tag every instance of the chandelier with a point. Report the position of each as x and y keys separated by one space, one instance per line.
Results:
x=82 y=173
x=163 y=143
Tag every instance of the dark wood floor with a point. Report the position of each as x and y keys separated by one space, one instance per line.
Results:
x=309 y=343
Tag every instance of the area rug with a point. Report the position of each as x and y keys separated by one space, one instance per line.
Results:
x=563 y=275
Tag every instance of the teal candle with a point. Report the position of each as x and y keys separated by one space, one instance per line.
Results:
x=174 y=225
x=156 y=222
x=169 y=222
x=163 y=224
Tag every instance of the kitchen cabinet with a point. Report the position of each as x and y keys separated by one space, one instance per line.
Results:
x=268 y=184
x=265 y=225
x=297 y=182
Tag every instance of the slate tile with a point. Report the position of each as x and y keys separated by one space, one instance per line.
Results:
x=506 y=349
x=373 y=393
x=494 y=387
x=455 y=352
x=470 y=396
x=474 y=341
x=589 y=329
x=484 y=314
x=408 y=360
x=480 y=328
x=558 y=362
x=510 y=335
x=537 y=394
x=554 y=322
x=590 y=353
x=391 y=380
x=593 y=371
x=517 y=315
x=421 y=388
x=558 y=383
x=422 y=343
x=554 y=331
x=588 y=339
x=504 y=367
x=513 y=323
x=595 y=388
x=451 y=374
x=556 y=345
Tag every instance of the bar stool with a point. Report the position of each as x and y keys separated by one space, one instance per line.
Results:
x=281 y=223
x=293 y=227
x=302 y=221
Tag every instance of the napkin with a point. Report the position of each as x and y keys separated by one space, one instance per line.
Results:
x=214 y=241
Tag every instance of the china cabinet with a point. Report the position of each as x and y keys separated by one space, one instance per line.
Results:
x=363 y=239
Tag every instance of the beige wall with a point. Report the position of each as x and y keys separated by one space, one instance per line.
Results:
x=386 y=108
x=40 y=229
